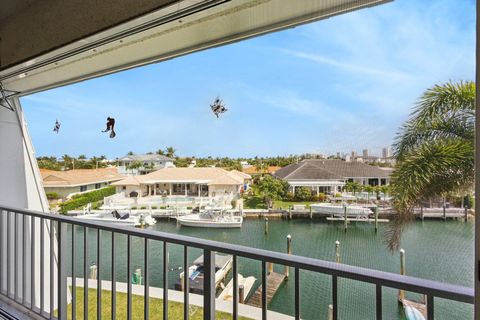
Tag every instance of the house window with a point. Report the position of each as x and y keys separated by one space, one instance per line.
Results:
x=98 y=185
x=83 y=188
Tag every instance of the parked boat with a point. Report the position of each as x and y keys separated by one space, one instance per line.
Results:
x=339 y=210
x=196 y=272
x=118 y=218
x=413 y=313
x=211 y=219
x=247 y=283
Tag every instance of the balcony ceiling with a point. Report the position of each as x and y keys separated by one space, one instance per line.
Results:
x=51 y=43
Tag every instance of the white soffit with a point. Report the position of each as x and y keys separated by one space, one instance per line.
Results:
x=223 y=23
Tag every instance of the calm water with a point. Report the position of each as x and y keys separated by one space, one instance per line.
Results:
x=434 y=250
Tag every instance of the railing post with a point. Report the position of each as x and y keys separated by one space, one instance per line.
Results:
x=62 y=270
x=209 y=285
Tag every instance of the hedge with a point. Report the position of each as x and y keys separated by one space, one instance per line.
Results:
x=83 y=199
x=52 y=196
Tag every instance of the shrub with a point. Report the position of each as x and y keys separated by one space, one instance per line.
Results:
x=154 y=207
x=134 y=208
x=83 y=199
x=52 y=196
x=322 y=197
x=303 y=194
x=143 y=208
x=290 y=197
x=234 y=203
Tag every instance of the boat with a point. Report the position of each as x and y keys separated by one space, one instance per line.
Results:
x=118 y=218
x=223 y=264
x=412 y=313
x=339 y=210
x=210 y=219
x=247 y=283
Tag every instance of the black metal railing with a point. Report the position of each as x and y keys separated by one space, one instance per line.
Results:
x=19 y=251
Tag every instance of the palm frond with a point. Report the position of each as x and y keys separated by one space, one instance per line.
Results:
x=444 y=111
x=433 y=168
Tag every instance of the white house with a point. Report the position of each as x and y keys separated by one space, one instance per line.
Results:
x=147 y=163
x=66 y=183
x=330 y=176
x=185 y=182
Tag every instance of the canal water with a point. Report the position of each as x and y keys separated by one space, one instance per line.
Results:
x=436 y=250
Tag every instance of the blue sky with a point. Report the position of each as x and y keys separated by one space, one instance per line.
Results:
x=341 y=84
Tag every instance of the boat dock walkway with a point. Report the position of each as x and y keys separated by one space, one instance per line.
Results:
x=274 y=280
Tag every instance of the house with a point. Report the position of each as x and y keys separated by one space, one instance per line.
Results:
x=143 y=163
x=66 y=183
x=186 y=182
x=330 y=176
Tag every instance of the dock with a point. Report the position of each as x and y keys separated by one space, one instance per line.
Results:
x=274 y=281
x=369 y=220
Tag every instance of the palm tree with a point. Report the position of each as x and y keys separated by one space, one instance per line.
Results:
x=434 y=150
x=170 y=152
x=160 y=152
x=368 y=189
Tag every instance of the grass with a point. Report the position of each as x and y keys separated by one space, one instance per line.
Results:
x=175 y=309
x=256 y=202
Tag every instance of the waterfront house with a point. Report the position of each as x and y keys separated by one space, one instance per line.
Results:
x=185 y=182
x=143 y=163
x=330 y=175
x=67 y=183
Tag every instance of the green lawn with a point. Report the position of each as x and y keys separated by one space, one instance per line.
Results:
x=256 y=202
x=175 y=309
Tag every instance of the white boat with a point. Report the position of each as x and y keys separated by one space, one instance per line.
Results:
x=211 y=219
x=339 y=210
x=247 y=283
x=118 y=218
x=125 y=219
x=223 y=264
x=413 y=313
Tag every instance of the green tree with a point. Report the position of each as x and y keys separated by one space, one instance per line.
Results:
x=170 y=152
x=434 y=151
x=130 y=153
x=272 y=189
x=353 y=186
x=160 y=152
x=368 y=189
x=303 y=194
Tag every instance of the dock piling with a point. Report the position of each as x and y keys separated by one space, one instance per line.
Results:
x=466 y=214
x=376 y=219
x=266 y=225
x=270 y=267
x=289 y=251
x=401 y=293
x=421 y=213
x=337 y=251
x=345 y=218
x=444 y=213
x=330 y=312
x=290 y=212
x=241 y=294
x=311 y=215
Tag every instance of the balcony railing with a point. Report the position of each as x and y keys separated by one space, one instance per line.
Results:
x=18 y=242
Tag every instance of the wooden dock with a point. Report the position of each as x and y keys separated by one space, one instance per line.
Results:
x=369 y=220
x=274 y=281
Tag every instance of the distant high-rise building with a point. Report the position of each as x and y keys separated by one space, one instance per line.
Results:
x=386 y=152
x=354 y=154
x=339 y=155
x=365 y=153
